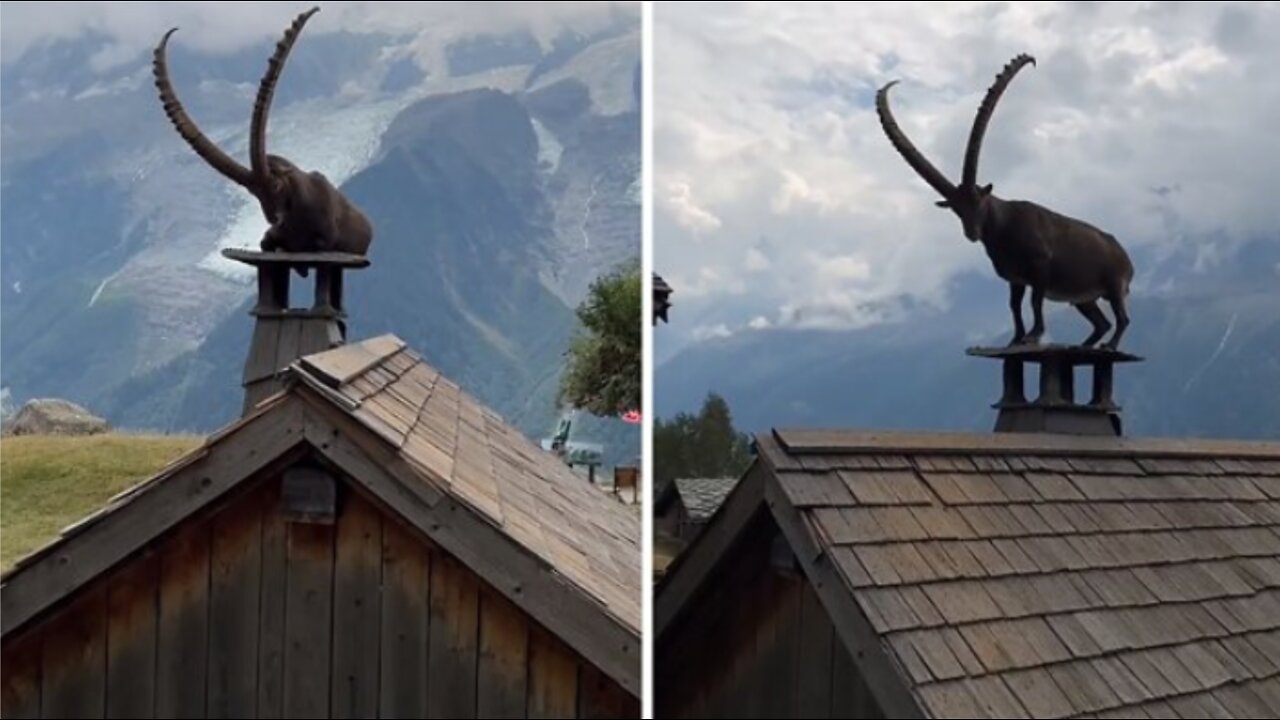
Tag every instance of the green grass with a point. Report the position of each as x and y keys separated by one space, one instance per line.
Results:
x=49 y=482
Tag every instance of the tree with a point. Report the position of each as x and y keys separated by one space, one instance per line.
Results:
x=702 y=445
x=603 y=375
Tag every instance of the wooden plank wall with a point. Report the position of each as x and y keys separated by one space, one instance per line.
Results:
x=240 y=614
x=758 y=645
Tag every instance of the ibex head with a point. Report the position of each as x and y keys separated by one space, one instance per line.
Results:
x=969 y=200
x=266 y=175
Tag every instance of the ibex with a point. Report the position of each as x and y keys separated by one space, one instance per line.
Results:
x=305 y=211
x=1058 y=257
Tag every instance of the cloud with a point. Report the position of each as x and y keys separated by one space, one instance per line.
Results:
x=756 y=261
x=759 y=322
x=129 y=28
x=765 y=127
x=708 y=332
x=678 y=200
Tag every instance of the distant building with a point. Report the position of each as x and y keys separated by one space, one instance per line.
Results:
x=686 y=504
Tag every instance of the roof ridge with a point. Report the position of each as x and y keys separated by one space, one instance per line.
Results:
x=821 y=441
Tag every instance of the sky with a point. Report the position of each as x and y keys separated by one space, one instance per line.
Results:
x=132 y=27
x=779 y=201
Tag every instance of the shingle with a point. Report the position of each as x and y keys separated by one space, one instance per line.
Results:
x=1052 y=516
x=1051 y=554
x=887 y=610
x=1039 y=694
x=1084 y=686
x=961 y=650
x=1105 y=466
x=904 y=648
x=937 y=655
x=900 y=524
x=884 y=488
x=1126 y=686
x=944 y=463
x=879 y=564
x=1073 y=634
x=942 y=523
x=1147 y=673
x=1173 y=670
x=995 y=699
x=934 y=553
x=989 y=463
x=1016 y=557
x=1207 y=669
x=964 y=560
x=950 y=699
x=1102 y=487
x=911 y=567
x=833 y=526
x=1046 y=463
x=921 y=606
x=860 y=525
x=962 y=601
x=1235 y=668
x=814 y=489
x=991 y=560
x=852 y=569
x=1015 y=596
x=946 y=487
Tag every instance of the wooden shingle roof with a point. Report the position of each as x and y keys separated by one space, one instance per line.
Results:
x=1051 y=576
x=701 y=497
x=466 y=450
x=1021 y=575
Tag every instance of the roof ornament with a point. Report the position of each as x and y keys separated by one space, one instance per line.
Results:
x=1030 y=246
x=307 y=214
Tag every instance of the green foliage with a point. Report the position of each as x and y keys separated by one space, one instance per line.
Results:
x=52 y=481
x=603 y=375
x=702 y=445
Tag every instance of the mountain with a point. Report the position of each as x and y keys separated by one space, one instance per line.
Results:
x=499 y=185
x=1211 y=339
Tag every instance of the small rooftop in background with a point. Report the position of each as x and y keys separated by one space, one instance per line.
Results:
x=701 y=497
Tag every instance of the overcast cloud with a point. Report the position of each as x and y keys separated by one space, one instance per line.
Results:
x=779 y=200
x=132 y=27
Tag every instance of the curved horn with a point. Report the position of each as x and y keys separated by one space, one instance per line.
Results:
x=988 y=106
x=187 y=128
x=914 y=158
x=266 y=90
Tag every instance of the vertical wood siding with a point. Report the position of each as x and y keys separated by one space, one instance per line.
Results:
x=241 y=614
x=758 y=645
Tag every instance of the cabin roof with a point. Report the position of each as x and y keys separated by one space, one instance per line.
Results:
x=1031 y=575
x=468 y=451
x=701 y=497
x=566 y=553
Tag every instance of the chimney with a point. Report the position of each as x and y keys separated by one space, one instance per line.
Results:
x=661 y=299
x=1055 y=409
x=282 y=334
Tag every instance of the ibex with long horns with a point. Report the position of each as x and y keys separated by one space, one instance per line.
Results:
x=1058 y=257
x=306 y=212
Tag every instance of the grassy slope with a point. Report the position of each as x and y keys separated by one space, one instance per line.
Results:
x=49 y=482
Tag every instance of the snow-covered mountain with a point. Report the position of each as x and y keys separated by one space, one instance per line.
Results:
x=111 y=229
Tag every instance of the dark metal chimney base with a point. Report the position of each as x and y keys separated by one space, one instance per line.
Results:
x=1055 y=410
x=282 y=334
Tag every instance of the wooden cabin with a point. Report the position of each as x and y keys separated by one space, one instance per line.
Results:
x=367 y=541
x=687 y=504
x=910 y=575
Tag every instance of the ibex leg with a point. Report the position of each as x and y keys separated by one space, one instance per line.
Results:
x=1016 y=293
x=1094 y=315
x=1122 y=320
